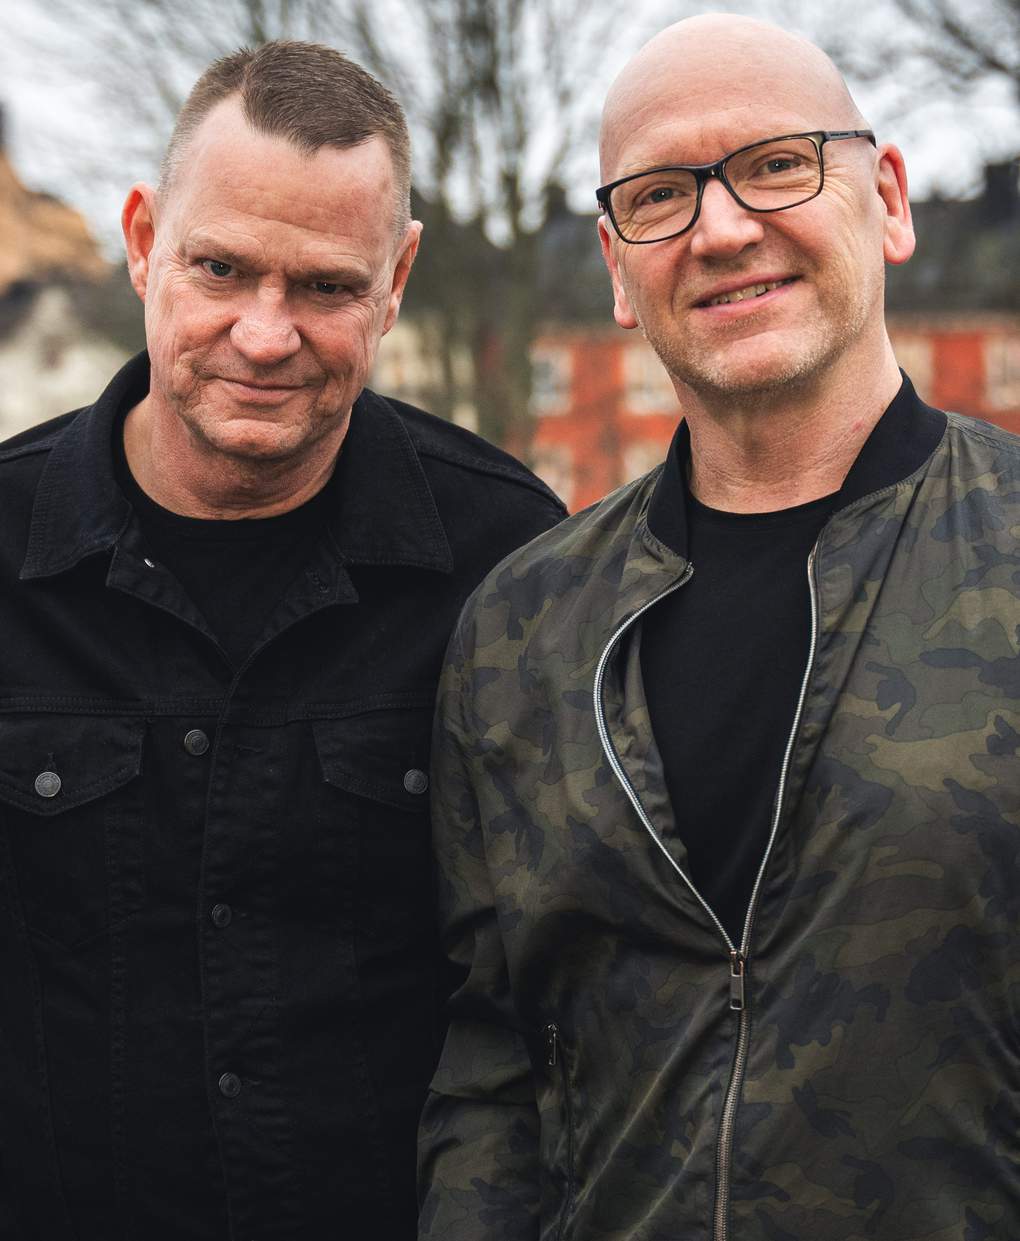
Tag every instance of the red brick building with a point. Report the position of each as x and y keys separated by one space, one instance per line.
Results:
x=605 y=410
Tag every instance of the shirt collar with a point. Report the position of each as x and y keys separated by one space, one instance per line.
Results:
x=900 y=442
x=384 y=512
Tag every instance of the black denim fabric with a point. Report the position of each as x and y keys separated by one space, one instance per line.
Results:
x=218 y=999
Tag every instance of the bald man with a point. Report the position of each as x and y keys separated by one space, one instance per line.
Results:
x=727 y=791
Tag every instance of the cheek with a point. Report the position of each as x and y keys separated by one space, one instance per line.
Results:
x=853 y=268
x=177 y=320
x=347 y=347
x=846 y=237
x=655 y=275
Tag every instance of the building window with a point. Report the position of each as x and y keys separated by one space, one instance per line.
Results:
x=1002 y=372
x=647 y=386
x=640 y=456
x=554 y=465
x=551 y=379
x=914 y=353
x=405 y=367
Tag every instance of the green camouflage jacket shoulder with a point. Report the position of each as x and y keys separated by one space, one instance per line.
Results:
x=616 y=1068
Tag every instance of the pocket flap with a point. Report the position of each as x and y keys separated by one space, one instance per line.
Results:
x=52 y=763
x=383 y=755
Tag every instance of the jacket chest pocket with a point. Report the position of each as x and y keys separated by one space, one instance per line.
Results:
x=70 y=808
x=375 y=767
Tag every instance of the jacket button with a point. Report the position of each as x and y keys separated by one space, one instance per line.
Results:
x=221 y=915
x=230 y=1085
x=47 y=784
x=196 y=742
x=416 y=781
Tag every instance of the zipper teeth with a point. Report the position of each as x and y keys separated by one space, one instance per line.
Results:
x=557 y=1060
x=614 y=761
x=568 y=1112
x=784 y=770
x=725 y=1148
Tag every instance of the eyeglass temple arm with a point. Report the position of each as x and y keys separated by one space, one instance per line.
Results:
x=833 y=135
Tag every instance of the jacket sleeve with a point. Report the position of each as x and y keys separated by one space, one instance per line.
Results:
x=478 y=1144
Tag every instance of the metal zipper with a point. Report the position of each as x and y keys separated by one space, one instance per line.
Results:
x=738 y=959
x=614 y=761
x=554 y=1057
x=724 y=1147
x=552 y=1044
x=784 y=770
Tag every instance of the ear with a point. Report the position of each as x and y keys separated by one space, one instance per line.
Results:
x=622 y=312
x=898 y=239
x=138 y=220
x=408 y=250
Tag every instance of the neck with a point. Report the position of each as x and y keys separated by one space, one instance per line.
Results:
x=187 y=476
x=768 y=451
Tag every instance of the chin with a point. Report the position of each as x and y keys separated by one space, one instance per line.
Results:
x=743 y=382
x=246 y=439
x=748 y=373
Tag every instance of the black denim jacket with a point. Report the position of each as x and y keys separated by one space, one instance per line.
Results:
x=217 y=984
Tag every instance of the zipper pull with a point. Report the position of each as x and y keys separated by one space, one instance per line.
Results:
x=552 y=1044
x=736 y=981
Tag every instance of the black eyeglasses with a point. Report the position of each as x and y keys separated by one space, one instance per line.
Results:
x=771 y=175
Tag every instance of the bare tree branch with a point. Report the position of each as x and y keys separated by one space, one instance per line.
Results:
x=970 y=39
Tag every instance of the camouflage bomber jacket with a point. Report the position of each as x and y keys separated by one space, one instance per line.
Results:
x=617 y=1069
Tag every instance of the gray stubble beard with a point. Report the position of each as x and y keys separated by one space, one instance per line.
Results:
x=711 y=382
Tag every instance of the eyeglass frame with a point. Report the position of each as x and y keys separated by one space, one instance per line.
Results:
x=703 y=172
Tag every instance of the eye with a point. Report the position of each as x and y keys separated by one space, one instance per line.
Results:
x=651 y=195
x=218 y=269
x=766 y=165
x=781 y=163
x=672 y=188
x=326 y=286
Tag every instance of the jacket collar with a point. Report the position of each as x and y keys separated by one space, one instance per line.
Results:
x=383 y=512
x=900 y=442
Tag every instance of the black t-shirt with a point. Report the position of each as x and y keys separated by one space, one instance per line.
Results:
x=234 y=571
x=723 y=659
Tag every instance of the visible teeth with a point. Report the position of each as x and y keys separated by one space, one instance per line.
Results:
x=738 y=295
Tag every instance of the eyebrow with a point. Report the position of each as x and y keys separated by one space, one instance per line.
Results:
x=351 y=275
x=210 y=247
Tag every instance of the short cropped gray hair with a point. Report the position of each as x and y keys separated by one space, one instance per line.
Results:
x=307 y=93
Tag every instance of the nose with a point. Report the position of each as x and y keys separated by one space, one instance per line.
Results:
x=264 y=331
x=723 y=227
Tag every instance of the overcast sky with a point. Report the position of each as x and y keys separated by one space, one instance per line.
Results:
x=60 y=135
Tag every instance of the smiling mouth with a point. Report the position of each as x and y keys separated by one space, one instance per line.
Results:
x=747 y=293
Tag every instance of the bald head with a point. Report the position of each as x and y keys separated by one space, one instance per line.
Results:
x=720 y=72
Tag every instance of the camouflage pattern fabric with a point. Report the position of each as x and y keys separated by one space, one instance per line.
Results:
x=875 y=1094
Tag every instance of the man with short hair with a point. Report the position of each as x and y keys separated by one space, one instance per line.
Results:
x=726 y=791
x=227 y=587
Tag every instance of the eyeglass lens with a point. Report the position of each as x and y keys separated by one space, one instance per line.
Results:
x=765 y=177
